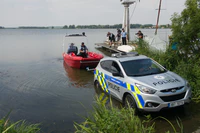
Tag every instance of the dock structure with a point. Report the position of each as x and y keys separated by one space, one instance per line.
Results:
x=112 y=49
x=125 y=25
x=126 y=20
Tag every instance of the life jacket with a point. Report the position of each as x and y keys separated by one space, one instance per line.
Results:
x=84 y=48
x=73 y=49
x=112 y=37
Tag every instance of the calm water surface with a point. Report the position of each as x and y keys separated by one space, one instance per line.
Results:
x=39 y=87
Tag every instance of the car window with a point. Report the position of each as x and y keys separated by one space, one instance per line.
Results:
x=117 y=68
x=106 y=65
x=141 y=67
x=114 y=70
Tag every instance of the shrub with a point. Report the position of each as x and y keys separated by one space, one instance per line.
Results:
x=17 y=127
x=113 y=120
x=109 y=119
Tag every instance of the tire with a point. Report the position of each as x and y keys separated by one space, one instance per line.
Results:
x=97 y=85
x=130 y=101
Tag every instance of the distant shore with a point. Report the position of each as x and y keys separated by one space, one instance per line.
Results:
x=116 y=26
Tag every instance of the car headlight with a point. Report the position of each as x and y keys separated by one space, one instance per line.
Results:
x=145 y=89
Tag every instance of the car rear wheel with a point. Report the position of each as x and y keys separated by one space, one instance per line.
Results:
x=129 y=101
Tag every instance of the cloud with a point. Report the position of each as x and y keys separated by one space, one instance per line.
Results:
x=83 y=12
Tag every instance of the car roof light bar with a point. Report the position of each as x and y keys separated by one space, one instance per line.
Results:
x=124 y=54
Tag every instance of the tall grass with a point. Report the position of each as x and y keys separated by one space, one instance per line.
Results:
x=174 y=130
x=6 y=126
x=107 y=119
x=110 y=119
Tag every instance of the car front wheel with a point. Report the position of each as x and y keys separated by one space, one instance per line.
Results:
x=129 y=101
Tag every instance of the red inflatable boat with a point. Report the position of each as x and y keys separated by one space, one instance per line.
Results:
x=75 y=61
x=79 y=62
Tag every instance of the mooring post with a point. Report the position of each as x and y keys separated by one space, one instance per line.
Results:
x=126 y=23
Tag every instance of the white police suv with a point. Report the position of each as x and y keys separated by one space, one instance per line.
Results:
x=141 y=82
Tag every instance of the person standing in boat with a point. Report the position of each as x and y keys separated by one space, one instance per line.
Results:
x=72 y=49
x=83 y=50
x=124 y=34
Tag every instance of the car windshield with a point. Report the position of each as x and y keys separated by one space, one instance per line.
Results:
x=142 y=67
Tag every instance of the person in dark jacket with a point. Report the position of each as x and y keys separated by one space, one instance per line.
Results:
x=72 y=49
x=83 y=50
x=118 y=34
x=111 y=38
x=139 y=34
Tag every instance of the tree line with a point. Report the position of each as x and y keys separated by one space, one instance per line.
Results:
x=115 y=26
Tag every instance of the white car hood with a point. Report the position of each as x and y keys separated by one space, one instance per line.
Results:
x=161 y=81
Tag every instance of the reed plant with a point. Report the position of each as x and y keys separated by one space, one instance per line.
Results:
x=174 y=127
x=106 y=118
x=6 y=126
x=109 y=119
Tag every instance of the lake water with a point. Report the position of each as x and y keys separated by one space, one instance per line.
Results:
x=39 y=87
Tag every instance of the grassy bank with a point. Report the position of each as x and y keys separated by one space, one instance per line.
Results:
x=106 y=118
x=6 y=126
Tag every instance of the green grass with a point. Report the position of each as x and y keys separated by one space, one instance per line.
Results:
x=106 y=118
x=6 y=126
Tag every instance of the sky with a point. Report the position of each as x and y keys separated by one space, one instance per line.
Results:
x=14 y=13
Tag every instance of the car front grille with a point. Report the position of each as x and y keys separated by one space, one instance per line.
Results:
x=172 y=89
x=173 y=98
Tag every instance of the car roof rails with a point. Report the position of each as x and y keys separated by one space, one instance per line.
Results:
x=76 y=35
x=124 y=54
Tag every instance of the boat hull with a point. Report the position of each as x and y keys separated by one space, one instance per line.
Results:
x=79 y=62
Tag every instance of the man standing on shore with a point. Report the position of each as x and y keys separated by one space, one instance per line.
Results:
x=124 y=34
x=140 y=34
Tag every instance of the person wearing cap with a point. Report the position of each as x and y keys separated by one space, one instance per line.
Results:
x=124 y=34
x=83 y=50
x=139 y=34
x=72 y=49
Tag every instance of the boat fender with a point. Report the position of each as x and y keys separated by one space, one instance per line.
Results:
x=72 y=54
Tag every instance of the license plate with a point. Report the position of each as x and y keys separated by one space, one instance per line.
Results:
x=174 y=104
